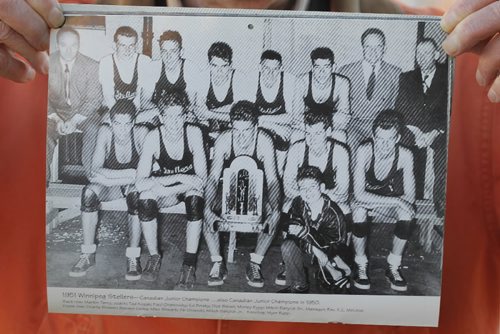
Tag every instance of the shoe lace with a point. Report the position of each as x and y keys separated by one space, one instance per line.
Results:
x=132 y=264
x=215 y=272
x=84 y=259
x=186 y=272
x=362 y=271
x=396 y=273
x=255 y=268
x=153 y=262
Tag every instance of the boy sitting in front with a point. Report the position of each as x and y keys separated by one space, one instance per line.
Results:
x=316 y=228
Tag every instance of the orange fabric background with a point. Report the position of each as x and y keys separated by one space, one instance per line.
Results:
x=470 y=294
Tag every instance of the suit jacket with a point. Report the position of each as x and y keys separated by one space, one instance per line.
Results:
x=426 y=111
x=85 y=90
x=384 y=95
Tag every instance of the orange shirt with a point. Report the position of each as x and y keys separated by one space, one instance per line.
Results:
x=470 y=291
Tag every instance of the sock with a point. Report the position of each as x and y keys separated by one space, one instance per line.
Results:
x=361 y=259
x=133 y=252
x=394 y=260
x=256 y=258
x=189 y=259
x=89 y=249
x=216 y=258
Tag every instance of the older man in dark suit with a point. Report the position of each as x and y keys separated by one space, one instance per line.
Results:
x=423 y=99
x=374 y=86
x=74 y=96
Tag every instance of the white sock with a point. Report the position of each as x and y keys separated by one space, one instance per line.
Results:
x=394 y=260
x=216 y=258
x=89 y=249
x=256 y=258
x=361 y=259
x=133 y=252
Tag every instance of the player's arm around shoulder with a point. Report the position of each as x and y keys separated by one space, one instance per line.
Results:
x=363 y=156
x=149 y=151
x=406 y=162
x=197 y=147
x=266 y=151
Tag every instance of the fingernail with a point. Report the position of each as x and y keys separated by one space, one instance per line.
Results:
x=45 y=63
x=451 y=45
x=446 y=22
x=30 y=75
x=56 y=17
x=493 y=96
x=480 y=78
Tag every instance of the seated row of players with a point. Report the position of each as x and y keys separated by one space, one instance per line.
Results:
x=172 y=167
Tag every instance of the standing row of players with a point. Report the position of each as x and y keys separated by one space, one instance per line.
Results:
x=173 y=173
x=352 y=94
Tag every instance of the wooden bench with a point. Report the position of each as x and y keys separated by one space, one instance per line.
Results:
x=63 y=204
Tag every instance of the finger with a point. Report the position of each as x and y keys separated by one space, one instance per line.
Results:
x=15 y=42
x=460 y=10
x=14 y=69
x=476 y=27
x=489 y=62
x=49 y=10
x=22 y=18
x=494 y=93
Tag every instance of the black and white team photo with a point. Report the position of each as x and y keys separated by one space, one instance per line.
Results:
x=264 y=154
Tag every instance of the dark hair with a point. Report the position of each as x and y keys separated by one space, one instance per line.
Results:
x=372 y=31
x=125 y=31
x=171 y=35
x=323 y=53
x=174 y=99
x=123 y=107
x=310 y=172
x=271 y=55
x=318 y=115
x=428 y=40
x=244 y=111
x=389 y=119
x=67 y=29
x=220 y=50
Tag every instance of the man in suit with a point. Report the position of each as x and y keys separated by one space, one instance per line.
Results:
x=374 y=86
x=423 y=100
x=73 y=103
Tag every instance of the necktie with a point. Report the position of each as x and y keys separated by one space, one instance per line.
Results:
x=371 y=84
x=66 y=84
x=424 y=82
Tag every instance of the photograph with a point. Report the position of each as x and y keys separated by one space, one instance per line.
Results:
x=247 y=153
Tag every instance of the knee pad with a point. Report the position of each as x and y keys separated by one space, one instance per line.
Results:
x=348 y=222
x=360 y=230
x=90 y=200
x=194 y=208
x=133 y=203
x=148 y=210
x=403 y=229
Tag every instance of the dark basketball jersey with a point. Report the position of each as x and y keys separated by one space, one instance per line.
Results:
x=124 y=90
x=213 y=103
x=329 y=104
x=112 y=163
x=164 y=86
x=329 y=173
x=232 y=155
x=275 y=107
x=392 y=185
x=169 y=166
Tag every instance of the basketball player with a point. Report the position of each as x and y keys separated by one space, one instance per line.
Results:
x=113 y=174
x=321 y=87
x=243 y=139
x=176 y=150
x=383 y=182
